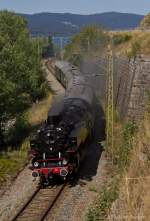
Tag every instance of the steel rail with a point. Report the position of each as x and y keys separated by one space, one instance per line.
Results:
x=39 y=204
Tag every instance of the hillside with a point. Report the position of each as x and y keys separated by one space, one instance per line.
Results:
x=68 y=24
x=130 y=43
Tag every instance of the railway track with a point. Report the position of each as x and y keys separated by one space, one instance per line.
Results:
x=40 y=204
x=50 y=66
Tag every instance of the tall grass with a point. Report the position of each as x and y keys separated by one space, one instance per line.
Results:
x=134 y=196
x=132 y=43
x=39 y=111
x=123 y=138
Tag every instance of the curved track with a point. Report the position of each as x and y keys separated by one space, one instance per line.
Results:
x=40 y=204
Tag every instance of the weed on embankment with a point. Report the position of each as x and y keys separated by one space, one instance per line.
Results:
x=122 y=148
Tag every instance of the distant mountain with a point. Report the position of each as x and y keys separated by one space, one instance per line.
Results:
x=67 y=24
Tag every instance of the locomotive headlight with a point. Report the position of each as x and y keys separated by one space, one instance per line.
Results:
x=58 y=129
x=64 y=162
x=36 y=164
x=48 y=134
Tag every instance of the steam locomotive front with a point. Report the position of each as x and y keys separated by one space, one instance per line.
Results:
x=52 y=152
x=59 y=146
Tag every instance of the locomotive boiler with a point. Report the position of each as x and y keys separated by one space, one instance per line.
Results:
x=59 y=146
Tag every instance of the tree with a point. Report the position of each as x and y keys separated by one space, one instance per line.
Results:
x=21 y=79
x=89 y=39
x=48 y=48
x=145 y=23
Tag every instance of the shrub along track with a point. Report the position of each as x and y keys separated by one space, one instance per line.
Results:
x=40 y=203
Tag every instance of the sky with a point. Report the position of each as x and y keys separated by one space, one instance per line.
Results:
x=76 y=6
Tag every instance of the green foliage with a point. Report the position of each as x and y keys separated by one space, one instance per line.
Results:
x=148 y=101
x=22 y=80
x=128 y=132
x=75 y=59
x=93 y=189
x=123 y=145
x=135 y=49
x=14 y=159
x=12 y=162
x=18 y=132
x=121 y=38
x=47 y=47
x=90 y=38
x=109 y=192
x=145 y=23
x=104 y=201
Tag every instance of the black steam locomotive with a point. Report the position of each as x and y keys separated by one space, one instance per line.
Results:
x=59 y=146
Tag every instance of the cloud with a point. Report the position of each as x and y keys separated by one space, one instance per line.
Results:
x=70 y=24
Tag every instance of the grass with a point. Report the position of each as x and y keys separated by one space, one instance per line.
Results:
x=134 y=194
x=13 y=161
x=104 y=201
x=93 y=189
x=109 y=193
x=38 y=112
x=130 y=43
x=126 y=195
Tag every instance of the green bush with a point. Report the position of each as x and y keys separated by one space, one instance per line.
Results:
x=22 y=80
x=148 y=101
x=109 y=193
x=89 y=39
x=11 y=163
x=76 y=59
x=135 y=48
x=18 y=132
x=107 y=196
x=121 y=38
x=145 y=23
x=128 y=132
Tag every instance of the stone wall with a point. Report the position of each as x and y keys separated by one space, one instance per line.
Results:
x=131 y=83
